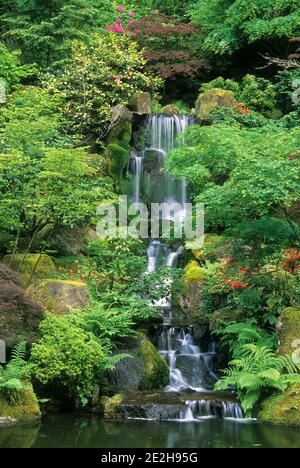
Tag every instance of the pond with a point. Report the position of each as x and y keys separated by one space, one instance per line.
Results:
x=73 y=431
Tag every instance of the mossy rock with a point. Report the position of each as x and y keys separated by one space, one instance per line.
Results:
x=170 y=109
x=40 y=266
x=145 y=369
x=112 y=406
x=213 y=99
x=117 y=159
x=156 y=371
x=141 y=103
x=282 y=409
x=60 y=297
x=26 y=410
x=289 y=331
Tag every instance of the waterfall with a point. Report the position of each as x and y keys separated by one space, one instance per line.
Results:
x=191 y=359
x=190 y=368
x=198 y=409
x=138 y=171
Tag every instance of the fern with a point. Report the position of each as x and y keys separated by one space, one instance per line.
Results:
x=14 y=376
x=257 y=369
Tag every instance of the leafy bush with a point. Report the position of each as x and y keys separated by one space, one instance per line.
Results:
x=257 y=94
x=67 y=357
x=101 y=74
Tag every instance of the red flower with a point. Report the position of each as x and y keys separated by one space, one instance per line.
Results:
x=121 y=9
x=117 y=78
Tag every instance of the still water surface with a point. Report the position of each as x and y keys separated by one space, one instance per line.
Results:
x=69 y=430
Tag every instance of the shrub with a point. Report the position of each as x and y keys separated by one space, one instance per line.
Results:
x=67 y=357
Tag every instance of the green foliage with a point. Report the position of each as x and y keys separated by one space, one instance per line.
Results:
x=11 y=69
x=45 y=29
x=239 y=173
x=14 y=375
x=60 y=188
x=118 y=261
x=287 y=85
x=229 y=25
x=101 y=74
x=67 y=357
x=256 y=370
x=257 y=94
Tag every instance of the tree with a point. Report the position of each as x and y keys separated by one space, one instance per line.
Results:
x=43 y=29
x=167 y=44
x=107 y=71
x=227 y=26
x=11 y=69
x=240 y=173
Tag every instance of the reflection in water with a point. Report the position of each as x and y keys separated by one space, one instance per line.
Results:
x=69 y=430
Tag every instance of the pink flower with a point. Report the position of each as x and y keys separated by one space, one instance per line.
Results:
x=119 y=21
x=121 y=9
x=117 y=78
x=132 y=14
x=119 y=28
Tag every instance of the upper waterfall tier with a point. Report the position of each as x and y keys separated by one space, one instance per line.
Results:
x=151 y=184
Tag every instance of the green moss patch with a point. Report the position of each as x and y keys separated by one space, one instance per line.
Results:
x=156 y=371
x=35 y=265
x=289 y=331
x=283 y=408
x=26 y=410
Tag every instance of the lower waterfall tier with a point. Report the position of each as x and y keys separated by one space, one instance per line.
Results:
x=184 y=406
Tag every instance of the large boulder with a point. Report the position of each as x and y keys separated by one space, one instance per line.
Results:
x=213 y=99
x=121 y=127
x=284 y=408
x=141 y=103
x=60 y=297
x=25 y=410
x=144 y=370
x=19 y=315
x=289 y=331
x=170 y=109
x=31 y=266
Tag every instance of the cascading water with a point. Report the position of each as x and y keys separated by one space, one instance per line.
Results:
x=192 y=366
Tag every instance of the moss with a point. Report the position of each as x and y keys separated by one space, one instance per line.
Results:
x=156 y=371
x=289 y=330
x=26 y=410
x=283 y=409
x=41 y=265
x=111 y=406
x=122 y=134
x=194 y=273
x=59 y=296
x=117 y=157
